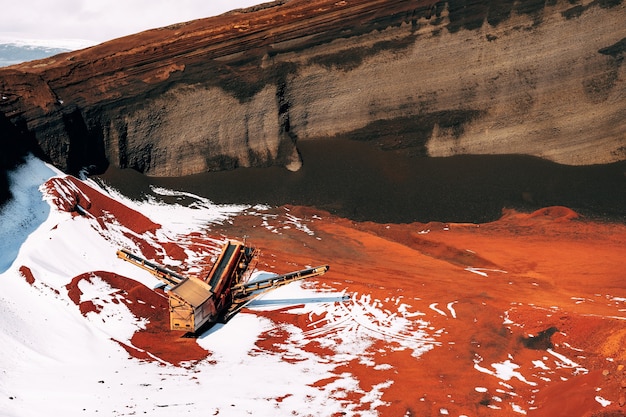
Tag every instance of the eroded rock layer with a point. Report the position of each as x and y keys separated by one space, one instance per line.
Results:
x=430 y=78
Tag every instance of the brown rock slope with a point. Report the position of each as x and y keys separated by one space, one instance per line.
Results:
x=431 y=78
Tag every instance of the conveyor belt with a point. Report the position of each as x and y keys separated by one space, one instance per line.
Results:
x=243 y=294
x=225 y=259
x=222 y=293
x=165 y=275
x=278 y=281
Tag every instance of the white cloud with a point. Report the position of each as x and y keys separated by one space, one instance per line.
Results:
x=102 y=20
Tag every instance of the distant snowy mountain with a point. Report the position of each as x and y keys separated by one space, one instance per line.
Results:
x=11 y=54
x=16 y=51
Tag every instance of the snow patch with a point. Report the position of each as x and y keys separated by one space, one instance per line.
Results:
x=503 y=370
x=113 y=316
x=483 y=271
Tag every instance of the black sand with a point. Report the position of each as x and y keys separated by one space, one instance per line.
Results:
x=361 y=182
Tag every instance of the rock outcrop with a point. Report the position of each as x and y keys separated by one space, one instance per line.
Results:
x=430 y=78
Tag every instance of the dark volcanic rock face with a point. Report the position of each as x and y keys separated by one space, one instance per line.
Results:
x=242 y=89
x=16 y=142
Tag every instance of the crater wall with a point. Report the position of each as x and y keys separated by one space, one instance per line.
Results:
x=427 y=78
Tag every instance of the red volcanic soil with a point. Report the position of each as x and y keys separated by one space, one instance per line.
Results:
x=154 y=342
x=27 y=274
x=544 y=280
x=74 y=196
x=543 y=291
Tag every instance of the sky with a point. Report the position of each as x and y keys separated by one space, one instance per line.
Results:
x=96 y=21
